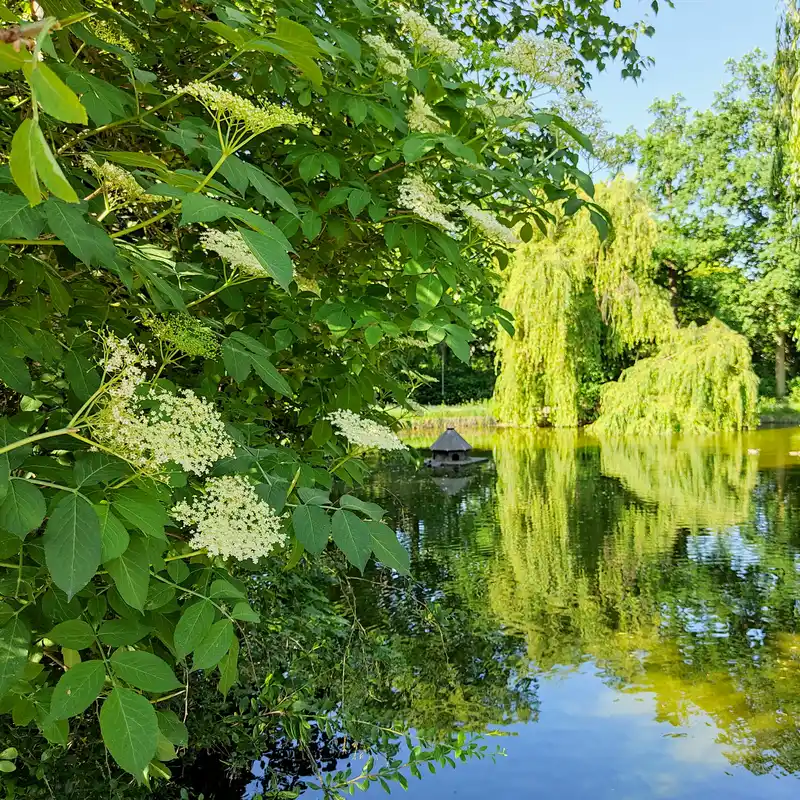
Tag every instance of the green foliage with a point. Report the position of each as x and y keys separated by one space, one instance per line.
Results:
x=239 y=177
x=578 y=304
x=700 y=381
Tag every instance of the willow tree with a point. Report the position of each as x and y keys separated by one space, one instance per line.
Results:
x=579 y=305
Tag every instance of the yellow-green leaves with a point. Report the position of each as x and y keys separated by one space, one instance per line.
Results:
x=32 y=160
x=11 y=59
x=53 y=95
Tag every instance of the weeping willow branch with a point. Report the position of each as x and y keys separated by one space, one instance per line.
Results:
x=700 y=381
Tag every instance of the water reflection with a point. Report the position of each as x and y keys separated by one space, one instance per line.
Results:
x=655 y=582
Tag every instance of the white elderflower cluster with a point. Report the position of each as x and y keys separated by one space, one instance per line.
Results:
x=420 y=117
x=543 y=60
x=497 y=106
x=238 y=112
x=487 y=224
x=417 y=196
x=151 y=427
x=118 y=184
x=156 y=428
x=424 y=34
x=364 y=432
x=232 y=247
x=126 y=362
x=186 y=334
x=230 y=520
x=390 y=60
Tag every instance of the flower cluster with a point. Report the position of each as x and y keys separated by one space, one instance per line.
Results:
x=497 y=106
x=232 y=247
x=488 y=225
x=118 y=184
x=425 y=35
x=390 y=60
x=151 y=427
x=239 y=113
x=230 y=520
x=417 y=196
x=112 y=33
x=126 y=361
x=420 y=117
x=364 y=432
x=185 y=333
x=544 y=61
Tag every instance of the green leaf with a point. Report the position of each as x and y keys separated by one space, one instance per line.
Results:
x=358 y=200
x=114 y=536
x=86 y=241
x=93 y=468
x=129 y=727
x=226 y=590
x=429 y=291
x=14 y=642
x=214 y=645
x=352 y=537
x=73 y=633
x=17 y=218
x=141 y=511
x=72 y=543
x=83 y=378
x=136 y=160
x=229 y=669
x=237 y=359
x=312 y=527
x=272 y=191
x=22 y=161
x=193 y=626
x=131 y=573
x=244 y=613
x=144 y=670
x=372 y=510
x=584 y=141
x=14 y=371
x=387 y=548
x=271 y=255
x=53 y=95
x=23 y=508
x=77 y=689
x=102 y=101
x=49 y=169
x=199 y=208
x=459 y=346
x=12 y=60
x=170 y=725
x=13 y=458
x=270 y=375
x=122 y=632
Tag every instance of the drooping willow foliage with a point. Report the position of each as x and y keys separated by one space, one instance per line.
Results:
x=585 y=308
x=578 y=306
x=701 y=380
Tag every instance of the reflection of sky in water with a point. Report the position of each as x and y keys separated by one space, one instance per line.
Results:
x=595 y=743
x=723 y=547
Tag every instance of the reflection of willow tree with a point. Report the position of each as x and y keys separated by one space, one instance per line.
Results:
x=701 y=484
x=701 y=617
x=450 y=666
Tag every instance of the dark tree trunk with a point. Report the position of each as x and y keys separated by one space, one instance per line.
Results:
x=780 y=366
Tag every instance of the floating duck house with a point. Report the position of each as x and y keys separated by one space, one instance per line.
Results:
x=451 y=450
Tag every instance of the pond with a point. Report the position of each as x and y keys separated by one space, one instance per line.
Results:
x=644 y=597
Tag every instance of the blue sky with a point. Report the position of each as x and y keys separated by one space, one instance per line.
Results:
x=691 y=45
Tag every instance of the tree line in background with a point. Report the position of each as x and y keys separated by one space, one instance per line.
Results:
x=708 y=249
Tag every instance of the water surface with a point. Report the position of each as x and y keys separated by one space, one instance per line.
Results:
x=644 y=599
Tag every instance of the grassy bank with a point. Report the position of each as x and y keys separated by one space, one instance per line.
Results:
x=468 y=415
x=772 y=413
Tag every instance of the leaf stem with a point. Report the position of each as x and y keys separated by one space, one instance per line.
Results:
x=71 y=431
